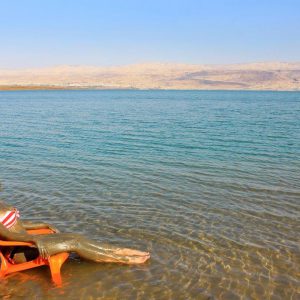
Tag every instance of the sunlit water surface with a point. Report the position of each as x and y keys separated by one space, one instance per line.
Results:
x=208 y=182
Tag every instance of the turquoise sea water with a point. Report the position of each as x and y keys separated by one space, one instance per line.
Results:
x=208 y=182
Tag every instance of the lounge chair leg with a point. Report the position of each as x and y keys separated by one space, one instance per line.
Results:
x=4 y=266
x=55 y=263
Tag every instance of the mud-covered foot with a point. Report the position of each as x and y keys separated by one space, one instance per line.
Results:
x=131 y=256
x=131 y=260
x=131 y=252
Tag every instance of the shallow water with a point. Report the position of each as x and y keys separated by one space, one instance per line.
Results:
x=208 y=182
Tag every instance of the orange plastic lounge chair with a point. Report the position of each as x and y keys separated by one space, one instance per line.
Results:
x=9 y=266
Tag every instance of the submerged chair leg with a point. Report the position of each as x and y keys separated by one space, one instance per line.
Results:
x=55 y=263
x=4 y=266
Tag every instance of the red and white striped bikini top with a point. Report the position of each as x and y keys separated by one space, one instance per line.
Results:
x=10 y=218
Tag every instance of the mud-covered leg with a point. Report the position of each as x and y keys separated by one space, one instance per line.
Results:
x=91 y=250
x=99 y=252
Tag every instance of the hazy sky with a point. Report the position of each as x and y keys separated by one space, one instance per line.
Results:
x=36 y=33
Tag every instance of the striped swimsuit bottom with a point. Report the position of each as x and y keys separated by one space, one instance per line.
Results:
x=10 y=218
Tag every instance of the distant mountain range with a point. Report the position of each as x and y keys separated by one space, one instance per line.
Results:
x=252 y=76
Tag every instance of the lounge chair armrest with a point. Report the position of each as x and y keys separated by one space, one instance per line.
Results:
x=15 y=243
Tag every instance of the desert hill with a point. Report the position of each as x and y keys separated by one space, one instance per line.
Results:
x=252 y=76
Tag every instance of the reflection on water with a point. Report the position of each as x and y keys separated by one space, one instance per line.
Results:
x=208 y=182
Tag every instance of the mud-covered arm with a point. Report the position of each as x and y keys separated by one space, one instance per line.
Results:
x=37 y=225
x=7 y=235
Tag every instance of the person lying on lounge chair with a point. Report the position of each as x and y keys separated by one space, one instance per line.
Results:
x=13 y=229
